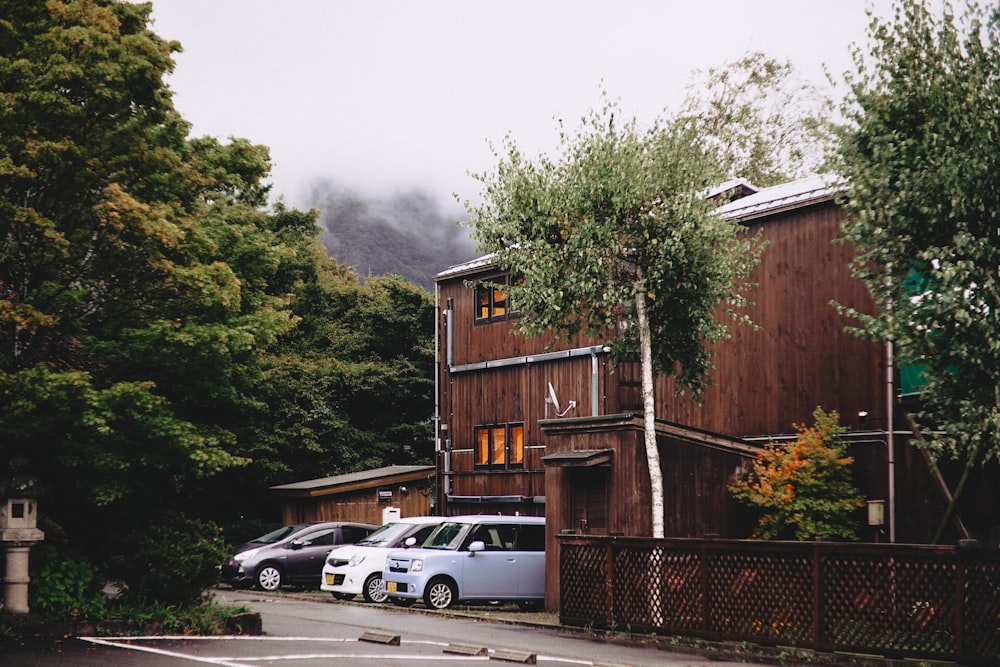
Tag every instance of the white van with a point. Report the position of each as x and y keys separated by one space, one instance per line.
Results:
x=472 y=558
x=357 y=568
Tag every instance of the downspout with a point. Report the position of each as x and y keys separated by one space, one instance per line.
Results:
x=449 y=315
x=593 y=384
x=890 y=402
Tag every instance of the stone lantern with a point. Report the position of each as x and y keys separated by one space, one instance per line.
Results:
x=18 y=533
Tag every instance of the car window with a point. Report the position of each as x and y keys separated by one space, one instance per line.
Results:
x=278 y=535
x=423 y=533
x=354 y=534
x=531 y=537
x=496 y=537
x=447 y=536
x=385 y=536
x=318 y=537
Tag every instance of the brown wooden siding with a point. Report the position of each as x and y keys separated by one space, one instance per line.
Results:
x=801 y=357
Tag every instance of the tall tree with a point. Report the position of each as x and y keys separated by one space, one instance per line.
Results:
x=618 y=231
x=920 y=156
x=134 y=266
x=768 y=123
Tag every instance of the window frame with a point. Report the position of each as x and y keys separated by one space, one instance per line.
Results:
x=487 y=454
x=486 y=300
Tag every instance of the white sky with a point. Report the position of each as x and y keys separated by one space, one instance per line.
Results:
x=386 y=95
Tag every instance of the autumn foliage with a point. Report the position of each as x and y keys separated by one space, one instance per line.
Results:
x=804 y=487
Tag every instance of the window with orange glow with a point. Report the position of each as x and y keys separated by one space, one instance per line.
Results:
x=500 y=445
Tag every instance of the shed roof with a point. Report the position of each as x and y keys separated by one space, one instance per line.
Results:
x=354 y=480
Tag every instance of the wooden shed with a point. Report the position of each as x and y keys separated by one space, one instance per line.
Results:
x=359 y=496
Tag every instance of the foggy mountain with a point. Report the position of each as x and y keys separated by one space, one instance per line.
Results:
x=406 y=234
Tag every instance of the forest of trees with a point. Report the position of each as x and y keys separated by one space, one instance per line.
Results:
x=171 y=344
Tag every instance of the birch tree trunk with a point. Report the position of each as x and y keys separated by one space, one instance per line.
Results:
x=649 y=406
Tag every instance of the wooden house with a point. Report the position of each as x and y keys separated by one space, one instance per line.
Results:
x=358 y=496
x=508 y=443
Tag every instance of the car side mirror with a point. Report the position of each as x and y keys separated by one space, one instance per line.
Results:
x=295 y=545
x=478 y=545
x=409 y=541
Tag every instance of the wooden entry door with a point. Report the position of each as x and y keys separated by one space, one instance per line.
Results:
x=589 y=499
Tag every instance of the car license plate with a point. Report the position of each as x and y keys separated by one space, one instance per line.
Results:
x=390 y=587
x=329 y=579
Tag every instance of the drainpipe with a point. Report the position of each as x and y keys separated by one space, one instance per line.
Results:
x=890 y=402
x=593 y=384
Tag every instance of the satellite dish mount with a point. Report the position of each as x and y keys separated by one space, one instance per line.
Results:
x=554 y=401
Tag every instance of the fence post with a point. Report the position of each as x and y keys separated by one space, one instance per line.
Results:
x=704 y=586
x=960 y=565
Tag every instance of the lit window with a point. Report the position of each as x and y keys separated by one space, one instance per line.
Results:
x=491 y=301
x=516 y=445
x=500 y=445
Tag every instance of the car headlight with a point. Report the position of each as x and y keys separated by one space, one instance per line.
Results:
x=356 y=559
x=417 y=565
x=243 y=555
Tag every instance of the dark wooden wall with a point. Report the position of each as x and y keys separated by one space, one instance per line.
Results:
x=801 y=357
x=360 y=505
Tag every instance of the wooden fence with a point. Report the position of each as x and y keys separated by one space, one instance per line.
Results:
x=898 y=601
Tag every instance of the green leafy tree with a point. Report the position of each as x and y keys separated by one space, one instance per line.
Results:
x=618 y=230
x=804 y=487
x=920 y=159
x=769 y=124
x=135 y=269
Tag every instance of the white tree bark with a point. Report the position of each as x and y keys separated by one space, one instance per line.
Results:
x=649 y=406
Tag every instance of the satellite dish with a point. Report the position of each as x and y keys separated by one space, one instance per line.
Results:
x=554 y=400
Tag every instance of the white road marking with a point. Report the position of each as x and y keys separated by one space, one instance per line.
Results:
x=127 y=643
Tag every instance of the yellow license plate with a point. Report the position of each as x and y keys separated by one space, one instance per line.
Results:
x=329 y=579
x=390 y=586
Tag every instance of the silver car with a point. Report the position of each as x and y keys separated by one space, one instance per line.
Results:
x=293 y=555
x=472 y=558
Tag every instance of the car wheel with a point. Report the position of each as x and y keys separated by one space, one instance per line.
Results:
x=269 y=578
x=374 y=590
x=402 y=602
x=346 y=597
x=440 y=594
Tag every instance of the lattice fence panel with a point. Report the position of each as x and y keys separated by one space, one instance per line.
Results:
x=636 y=588
x=981 y=623
x=583 y=585
x=857 y=600
x=683 y=600
x=761 y=597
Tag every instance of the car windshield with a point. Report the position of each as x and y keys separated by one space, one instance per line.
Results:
x=278 y=535
x=447 y=536
x=386 y=536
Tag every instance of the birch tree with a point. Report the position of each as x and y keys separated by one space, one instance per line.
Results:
x=615 y=237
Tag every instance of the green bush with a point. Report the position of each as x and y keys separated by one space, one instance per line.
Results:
x=63 y=586
x=171 y=562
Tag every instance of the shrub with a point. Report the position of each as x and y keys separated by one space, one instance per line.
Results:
x=804 y=487
x=171 y=562
x=63 y=586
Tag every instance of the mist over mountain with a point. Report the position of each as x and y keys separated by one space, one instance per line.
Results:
x=406 y=234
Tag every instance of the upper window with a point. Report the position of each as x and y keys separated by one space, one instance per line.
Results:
x=492 y=304
x=500 y=445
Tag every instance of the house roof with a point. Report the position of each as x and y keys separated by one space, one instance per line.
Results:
x=472 y=266
x=806 y=191
x=786 y=196
x=354 y=480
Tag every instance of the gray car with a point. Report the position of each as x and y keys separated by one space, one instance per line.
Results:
x=292 y=555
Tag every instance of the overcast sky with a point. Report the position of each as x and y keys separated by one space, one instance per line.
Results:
x=386 y=95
